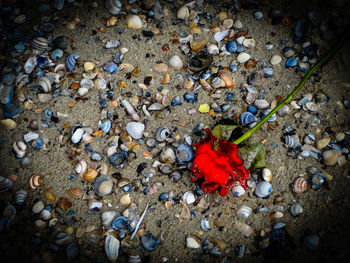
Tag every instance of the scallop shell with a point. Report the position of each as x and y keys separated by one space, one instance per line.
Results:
x=90 y=175
x=76 y=192
x=107 y=218
x=175 y=62
x=229 y=82
x=267 y=175
x=163 y=133
x=19 y=149
x=34 y=181
x=39 y=43
x=103 y=185
x=71 y=61
x=296 y=209
x=244 y=211
x=300 y=185
x=135 y=129
x=114 y=6
x=167 y=155
x=263 y=189
x=81 y=168
x=44 y=84
x=20 y=196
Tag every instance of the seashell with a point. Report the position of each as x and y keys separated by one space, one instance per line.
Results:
x=38 y=207
x=135 y=129
x=320 y=97
x=39 y=224
x=189 y=198
x=114 y=6
x=200 y=62
x=107 y=218
x=267 y=175
x=81 y=168
x=45 y=214
x=86 y=84
x=125 y=200
x=300 y=185
x=205 y=224
x=100 y=83
x=149 y=242
x=238 y=190
x=283 y=111
x=53 y=222
x=193 y=242
x=312 y=242
x=218 y=36
x=165 y=168
x=228 y=23
x=8 y=124
x=63 y=238
x=90 y=175
x=111 y=67
x=133 y=257
x=95 y=156
x=275 y=59
x=229 y=82
x=262 y=104
x=291 y=62
x=249 y=42
x=296 y=209
x=30 y=65
x=94 y=206
x=88 y=66
x=44 y=84
x=184 y=153
x=77 y=134
x=103 y=185
x=57 y=53
x=330 y=157
x=5 y=184
x=120 y=223
x=247 y=118
x=112 y=21
x=20 y=19
x=176 y=176
x=130 y=110
x=167 y=155
x=155 y=106
x=118 y=159
x=112 y=245
x=244 y=211
x=39 y=43
x=106 y=126
x=160 y=67
x=30 y=136
x=263 y=189
x=175 y=62
x=292 y=141
x=112 y=44
x=245 y=229
x=64 y=203
x=134 y=22
x=71 y=61
x=183 y=13
x=20 y=195
x=190 y=97
x=265 y=113
x=76 y=192
x=19 y=149
x=213 y=49
x=34 y=182
x=231 y=46
x=163 y=133
x=243 y=57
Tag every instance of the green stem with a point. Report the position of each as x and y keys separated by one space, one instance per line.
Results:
x=308 y=74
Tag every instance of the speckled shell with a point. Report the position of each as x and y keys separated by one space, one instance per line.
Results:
x=76 y=192
x=34 y=182
x=300 y=185
x=90 y=175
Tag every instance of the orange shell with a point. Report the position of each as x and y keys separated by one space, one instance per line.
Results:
x=300 y=185
x=34 y=181
x=76 y=192
x=229 y=82
x=64 y=203
x=166 y=79
x=90 y=175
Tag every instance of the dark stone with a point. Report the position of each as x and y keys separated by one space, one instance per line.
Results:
x=60 y=42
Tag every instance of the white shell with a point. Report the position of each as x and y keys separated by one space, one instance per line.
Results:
x=77 y=135
x=45 y=215
x=86 y=83
x=175 y=62
x=267 y=175
x=244 y=211
x=135 y=129
x=107 y=218
x=189 y=198
x=20 y=196
x=296 y=209
x=243 y=57
x=238 y=190
x=100 y=83
x=193 y=242
x=167 y=155
x=218 y=36
x=213 y=49
x=112 y=245
x=262 y=104
x=81 y=168
x=237 y=24
x=134 y=22
x=183 y=13
x=276 y=59
x=38 y=207
x=330 y=157
x=263 y=189
x=249 y=42
x=44 y=84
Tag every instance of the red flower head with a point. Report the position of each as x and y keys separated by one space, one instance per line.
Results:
x=217 y=162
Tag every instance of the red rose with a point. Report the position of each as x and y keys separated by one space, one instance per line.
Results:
x=217 y=162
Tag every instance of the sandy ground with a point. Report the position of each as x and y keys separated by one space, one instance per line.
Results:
x=326 y=212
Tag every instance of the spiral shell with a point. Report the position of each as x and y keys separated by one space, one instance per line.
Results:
x=90 y=175
x=34 y=182
x=76 y=192
x=300 y=185
x=163 y=133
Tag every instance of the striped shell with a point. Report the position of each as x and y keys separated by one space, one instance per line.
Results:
x=300 y=185
x=70 y=62
x=112 y=245
x=244 y=211
x=5 y=184
x=63 y=238
x=103 y=185
x=76 y=192
x=247 y=118
x=90 y=175
x=44 y=84
x=114 y=6
x=229 y=82
x=19 y=149
x=34 y=182
x=20 y=196
x=39 y=43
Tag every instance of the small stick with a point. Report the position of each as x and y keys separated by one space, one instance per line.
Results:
x=139 y=222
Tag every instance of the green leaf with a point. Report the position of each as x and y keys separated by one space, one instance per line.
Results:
x=223 y=132
x=253 y=154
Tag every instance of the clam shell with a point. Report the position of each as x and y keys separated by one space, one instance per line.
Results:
x=205 y=224
x=63 y=238
x=45 y=214
x=167 y=155
x=183 y=13
x=81 y=168
x=90 y=175
x=247 y=118
x=39 y=43
x=100 y=83
x=107 y=218
x=149 y=242
x=125 y=200
x=175 y=62
x=20 y=196
x=330 y=157
x=189 y=198
x=118 y=159
x=213 y=49
x=245 y=229
x=71 y=61
x=244 y=211
x=296 y=209
x=263 y=189
x=87 y=84
x=111 y=67
x=261 y=104
x=163 y=133
x=120 y=223
x=9 y=124
x=300 y=185
x=229 y=82
x=193 y=242
x=155 y=106
x=77 y=134
x=38 y=207
x=76 y=192
x=267 y=175
x=5 y=184
x=134 y=22
x=238 y=190
x=30 y=65
x=44 y=84
x=114 y=6
x=103 y=185
x=112 y=245
x=243 y=57
x=30 y=136
x=292 y=141
x=34 y=182
x=106 y=126
x=135 y=129
x=40 y=224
